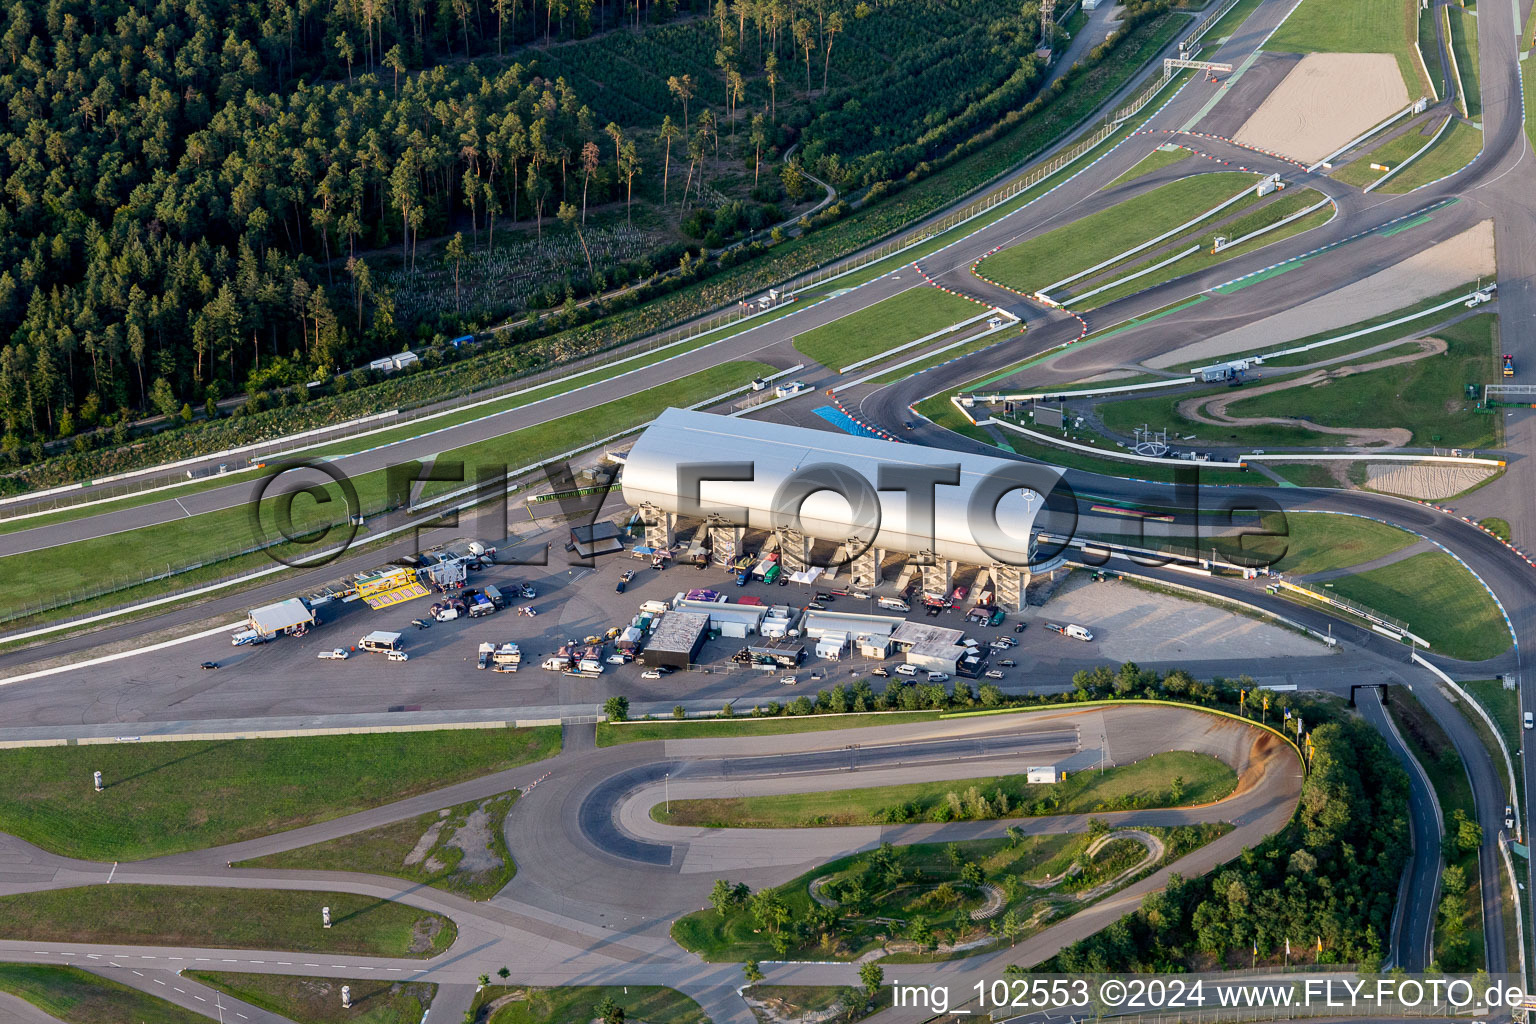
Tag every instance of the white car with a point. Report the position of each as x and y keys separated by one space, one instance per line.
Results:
x=335 y=654
x=618 y=659
x=1530 y=720
x=993 y=673
x=650 y=673
x=528 y=593
x=398 y=656
x=790 y=680
x=938 y=677
x=906 y=670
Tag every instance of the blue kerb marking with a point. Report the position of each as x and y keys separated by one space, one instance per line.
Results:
x=842 y=421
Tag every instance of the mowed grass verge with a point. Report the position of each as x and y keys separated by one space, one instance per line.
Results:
x=392 y=850
x=1464 y=45
x=1439 y=599
x=1045 y=259
x=1146 y=783
x=74 y=996
x=1153 y=161
x=912 y=314
x=175 y=915
x=136 y=554
x=170 y=797
x=1359 y=26
x=613 y=733
x=318 y=1000
x=1318 y=541
x=577 y=1004
x=1264 y=216
x=1450 y=153
x=1389 y=154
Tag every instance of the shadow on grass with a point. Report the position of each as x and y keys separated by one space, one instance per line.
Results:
x=161 y=767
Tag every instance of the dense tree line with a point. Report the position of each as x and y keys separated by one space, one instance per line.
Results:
x=1331 y=875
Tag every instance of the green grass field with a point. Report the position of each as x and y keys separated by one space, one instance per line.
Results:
x=577 y=1004
x=387 y=850
x=318 y=1000
x=1464 y=45
x=612 y=733
x=73 y=996
x=1439 y=600
x=1305 y=474
x=165 y=798
x=1043 y=260
x=1426 y=395
x=1140 y=784
x=1359 y=26
x=1389 y=154
x=1317 y=541
x=1262 y=217
x=914 y=313
x=134 y=554
x=1430 y=48
x=170 y=915
x=1154 y=161
x=1450 y=153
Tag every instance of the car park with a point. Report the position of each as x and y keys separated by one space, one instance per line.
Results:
x=335 y=654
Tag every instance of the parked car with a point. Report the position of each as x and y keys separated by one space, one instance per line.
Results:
x=882 y=673
x=213 y=664
x=998 y=615
x=618 y=659
x=398 y=656
x=528 y=592
x=650 y=673
x=504 y=668
x=906 y=670
x=993 y=673
x=618 y=588
x=816 y=605
x=1021 y=627
x=421 y=624
x=790 y=680
x=1509 y=816
x=334 y=654
x=822 y=595
x=1530 y=720
x=665 y=670
x=938 y=677
x=1008 y=663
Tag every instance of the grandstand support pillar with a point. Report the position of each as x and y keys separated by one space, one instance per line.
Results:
x=866 y=567
x=937 y=576
x=725 y=543
x=794 y=549
x=660 y=527
x=1009 y=584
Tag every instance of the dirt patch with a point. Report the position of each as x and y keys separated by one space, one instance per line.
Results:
x=1325 y=101
x=426 y=842
x=1213 y=409
x=1429 y=482
x=1241 y=98
x=424 y=934
x=1457 y=260
x=473 y=839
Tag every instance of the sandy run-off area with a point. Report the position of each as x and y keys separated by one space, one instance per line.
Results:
x=1327 y=100
x=1427 y=481
x=1455 y=261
